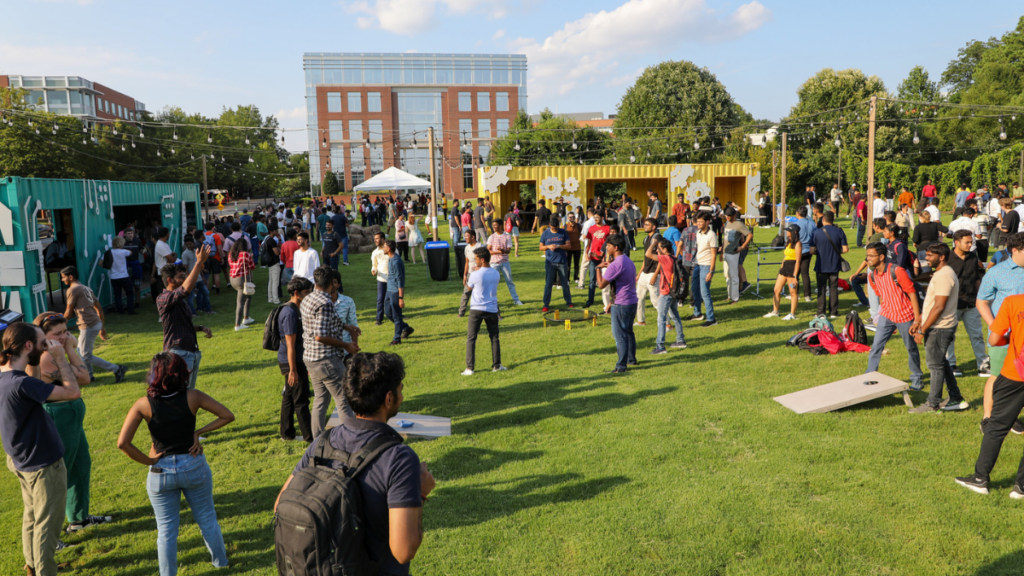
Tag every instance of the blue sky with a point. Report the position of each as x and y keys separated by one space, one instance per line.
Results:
x=582 y=55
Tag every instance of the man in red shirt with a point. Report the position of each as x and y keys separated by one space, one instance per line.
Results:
x=928 y=192
x=288 y=250
x=1007 y=397
x=596 y=236
x=899 y=309
x=680 y=208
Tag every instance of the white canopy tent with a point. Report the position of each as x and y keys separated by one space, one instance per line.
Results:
x=393 y=179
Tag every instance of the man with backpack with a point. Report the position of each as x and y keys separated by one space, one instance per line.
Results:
x=899 y=310
x=216 y=243
x=382 y=481
x=295 y=395
x=270 y=256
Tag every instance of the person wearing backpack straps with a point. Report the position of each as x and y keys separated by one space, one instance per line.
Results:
x=384 y=483
x=296 y=391
x=899 y=310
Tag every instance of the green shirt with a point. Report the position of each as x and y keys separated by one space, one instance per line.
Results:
x=261 y=231
x=320 y=222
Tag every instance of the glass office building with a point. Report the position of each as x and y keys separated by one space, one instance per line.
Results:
x=75 y=96
x=367 y=112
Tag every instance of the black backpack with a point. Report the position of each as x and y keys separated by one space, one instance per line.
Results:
x=108 y=260
x=779 y=241
x=921 y=289
x=680 y=282
x=319 y=527
x=271 y=330
x=267 y=256
x=854 y=329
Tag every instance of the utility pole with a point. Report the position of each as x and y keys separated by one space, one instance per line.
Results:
x=782 y=185
x=839 y=179
x=1020 y=178
x=869 y=188
x=433 y=181
x=775 y=162
x=206 y=190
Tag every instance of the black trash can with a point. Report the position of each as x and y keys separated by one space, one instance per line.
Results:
x=437 y=260
x=460 y=258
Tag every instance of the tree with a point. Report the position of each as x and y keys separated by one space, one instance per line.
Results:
x=330 y=184
x=667 y=101
x=917 y=86
x=551 y=142
x=959 y=74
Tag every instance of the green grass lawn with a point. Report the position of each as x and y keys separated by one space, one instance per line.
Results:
x=684 y=465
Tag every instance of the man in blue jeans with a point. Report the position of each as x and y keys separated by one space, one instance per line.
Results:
x=620 y=274
x=900 y=311
x=340 y=223
x=554 y=242
x=176 y=316
x=394 y=301
x=704 y=269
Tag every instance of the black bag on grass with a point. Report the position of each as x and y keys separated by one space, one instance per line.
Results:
x=319 y=528
x=854 y=329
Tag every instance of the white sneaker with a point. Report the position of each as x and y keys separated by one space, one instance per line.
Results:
x=467 y=372
x=808 y=299
x=833 y=317
x=248 y=321
x=772 y=314
x=789 y=317
x=520 y=303
x=242 y=327
x=499 y=369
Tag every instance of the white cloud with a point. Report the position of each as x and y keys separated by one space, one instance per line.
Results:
x=292 y=114
x=625 y=79
x=410 y=17
x=587 y=49
x=498 y=34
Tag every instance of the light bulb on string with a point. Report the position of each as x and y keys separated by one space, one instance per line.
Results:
x=172 y=149
x=247 y=139
x=141 y=133
x=175 y=133
x=133 y=142
x=696 y=143
x=29 y=122
x=54 y=127
x=158 y=152
x=632 y=157
x=916 y=139
x=251 y=161
x=415 y=146
x=838 y=142
x=113 y=130
x=367 y=143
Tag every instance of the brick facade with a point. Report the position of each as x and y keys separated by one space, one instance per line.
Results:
x=449 y=141
x=114 y=97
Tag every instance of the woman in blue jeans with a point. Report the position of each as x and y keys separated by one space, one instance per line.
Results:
x=176 y=462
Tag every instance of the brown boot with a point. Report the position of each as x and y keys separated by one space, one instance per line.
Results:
x=30 y=570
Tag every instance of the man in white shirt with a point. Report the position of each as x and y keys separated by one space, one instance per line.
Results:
x=280 y=216
x=583 y=237
x=835 y=197
x=703 y=272
x=162 y=254
x=306 y=260
x=471 y=266
x=379 y=268
x=878 y=206
x=933 y=209
x=483 y=308
x=966 y=222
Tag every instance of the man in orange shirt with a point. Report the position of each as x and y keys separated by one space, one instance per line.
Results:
x=1007 y=397
x=680 y=208
x=906 y=197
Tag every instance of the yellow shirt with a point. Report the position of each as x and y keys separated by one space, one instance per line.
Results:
x=789 y=253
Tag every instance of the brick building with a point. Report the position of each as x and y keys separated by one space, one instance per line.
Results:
x=76 y=96
x=368 y=112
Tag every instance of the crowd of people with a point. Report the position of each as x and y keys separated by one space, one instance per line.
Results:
x=922 y=293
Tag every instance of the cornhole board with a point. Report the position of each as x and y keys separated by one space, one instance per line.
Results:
x=423 y=426
x=843 y=393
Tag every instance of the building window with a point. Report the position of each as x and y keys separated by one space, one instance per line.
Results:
x=465 y=102
x=335 y=130
x=499 y=75
x=483 y=130
x=463 y=72
x=355 y=130
x=465 y=129
x=482 y=73
x=483 y=101
x=373 y=101
x=501 y=101
x=443 y=72
x=357 y=165
x=467 y=172
x=485 y=152
x=355 y=102
x=353 y=75
x=57 y=102
x=375 y=131
x=338 y=161
x=106 y=106
x=372 y=73
x=334 y=101
x=502 y=129
x=376 y=161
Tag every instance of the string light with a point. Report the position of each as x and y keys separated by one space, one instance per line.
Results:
x=176 y=134
x=209 y=138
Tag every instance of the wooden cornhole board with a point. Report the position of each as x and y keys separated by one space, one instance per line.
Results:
x=843 y=393
x=423 y=426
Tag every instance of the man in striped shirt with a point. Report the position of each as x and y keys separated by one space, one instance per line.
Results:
x=899 y=309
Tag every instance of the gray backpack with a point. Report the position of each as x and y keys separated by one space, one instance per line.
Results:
x=319 y=527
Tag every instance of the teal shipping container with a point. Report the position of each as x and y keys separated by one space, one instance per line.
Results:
x=88 y=214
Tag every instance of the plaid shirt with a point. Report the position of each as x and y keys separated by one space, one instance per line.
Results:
x=320 y=319
x=242 y=266
x=689 y=253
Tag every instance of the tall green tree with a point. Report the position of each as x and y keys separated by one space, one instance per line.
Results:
x=959 y=74
x=918 y=86
x=330 y=184
x=551 y=142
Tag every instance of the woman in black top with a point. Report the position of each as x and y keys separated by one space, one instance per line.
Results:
x=176 y=461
